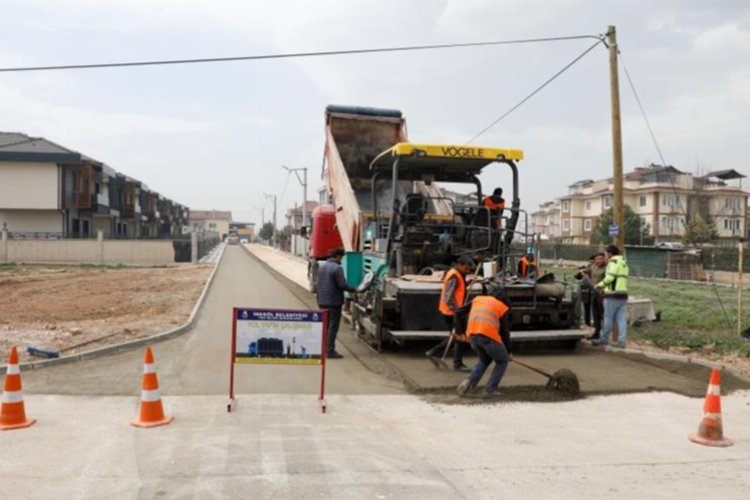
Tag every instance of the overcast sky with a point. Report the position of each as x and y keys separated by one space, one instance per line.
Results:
x=213 y=136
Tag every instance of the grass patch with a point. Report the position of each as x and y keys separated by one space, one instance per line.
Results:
x=692 y=316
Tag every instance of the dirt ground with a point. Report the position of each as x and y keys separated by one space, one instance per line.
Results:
x=61 y=307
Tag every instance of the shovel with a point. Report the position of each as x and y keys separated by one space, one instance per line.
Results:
x=562 y=380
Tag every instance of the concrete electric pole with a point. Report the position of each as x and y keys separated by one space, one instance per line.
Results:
x=302 y=180
x=272 y=197
x=614 y=88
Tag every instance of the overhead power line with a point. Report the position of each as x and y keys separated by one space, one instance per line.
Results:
x=405 y=48
x=535 y=91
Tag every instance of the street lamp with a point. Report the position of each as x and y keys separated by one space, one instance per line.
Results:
x=302 y=180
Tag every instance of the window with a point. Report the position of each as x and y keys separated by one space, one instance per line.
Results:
x=607 y=200
x=733 y=203
x=671 y=223
x=587 y=225
x=566 y=206
x=566 y=225
x=641 y=201
x=588 y=206
x=732 y=224
x=670 y=200
x=212 y=225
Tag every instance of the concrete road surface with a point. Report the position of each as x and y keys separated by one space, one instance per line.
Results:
x=388 y=446
x=198 y=362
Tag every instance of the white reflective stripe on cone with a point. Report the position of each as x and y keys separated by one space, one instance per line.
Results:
x=712 y=416
x=13 y=370
x=714 y=390
x=150 y=396
x=149 y=368
x=12 y=396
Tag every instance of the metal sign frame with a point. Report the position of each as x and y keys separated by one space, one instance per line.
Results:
x=323 y=350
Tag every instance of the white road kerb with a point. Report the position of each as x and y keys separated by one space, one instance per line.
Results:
x=132 y=344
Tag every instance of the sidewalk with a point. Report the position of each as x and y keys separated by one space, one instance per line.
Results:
x=291 y=266
x=281 y=446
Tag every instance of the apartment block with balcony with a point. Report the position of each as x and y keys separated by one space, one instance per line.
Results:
x=47 y=190
x=664 y=197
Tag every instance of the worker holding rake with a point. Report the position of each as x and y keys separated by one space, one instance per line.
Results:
x=452 y=298
x=489 y=334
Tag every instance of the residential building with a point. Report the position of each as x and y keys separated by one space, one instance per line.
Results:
x=298 y=243
x=216 y=221
x=664 y=197
x=48 y=190
x=546 y=220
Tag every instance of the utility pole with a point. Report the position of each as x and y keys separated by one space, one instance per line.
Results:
x=272 y=197
x=302 y=180
x=614 y=88
x=740 y=282
x=262 y=216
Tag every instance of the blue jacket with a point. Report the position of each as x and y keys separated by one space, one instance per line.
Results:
x=332 y=284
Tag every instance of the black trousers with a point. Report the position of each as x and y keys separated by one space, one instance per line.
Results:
x=334 y=320
x=459 y=348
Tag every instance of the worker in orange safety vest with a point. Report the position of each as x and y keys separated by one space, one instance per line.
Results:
x=528 y=267
x=489 y=333
x=496 y=204
x=452 y=297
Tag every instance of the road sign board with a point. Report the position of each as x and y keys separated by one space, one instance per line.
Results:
x=279 y=336
x=614 y=230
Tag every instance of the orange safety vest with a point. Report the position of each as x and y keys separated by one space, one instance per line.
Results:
x=459 y=293
x=484 y=318
x=490 y=203
x=524 y=267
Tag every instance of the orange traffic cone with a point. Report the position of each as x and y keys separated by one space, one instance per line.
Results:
x=12 y=411
x=151 y=412
x=710 y=431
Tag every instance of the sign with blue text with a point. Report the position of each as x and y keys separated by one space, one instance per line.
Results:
x=614 y=230
x=278 y=336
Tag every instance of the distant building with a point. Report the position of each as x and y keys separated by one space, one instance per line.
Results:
x=48 y=190
x=216 y=221
x=298 y=243
x=664 y=197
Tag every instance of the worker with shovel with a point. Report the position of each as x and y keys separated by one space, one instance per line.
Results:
x=489 y=334
x=452 y=298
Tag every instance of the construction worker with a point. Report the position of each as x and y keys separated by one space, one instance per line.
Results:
x=330 y=291
x=496 y=204
x=615 y=286
x=452 y=298
x=528 y=267
x=489 y=334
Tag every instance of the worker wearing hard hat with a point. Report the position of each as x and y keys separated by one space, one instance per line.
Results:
x=452 y=298
x=489 y=334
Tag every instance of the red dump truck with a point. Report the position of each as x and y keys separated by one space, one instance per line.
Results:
x=324 y=237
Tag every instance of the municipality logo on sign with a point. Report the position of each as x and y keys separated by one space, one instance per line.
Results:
x=244 y=314
x=315 y=316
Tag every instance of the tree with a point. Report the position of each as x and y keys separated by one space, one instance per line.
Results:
x=266 y=232
x=635 y=231
x=698 y=231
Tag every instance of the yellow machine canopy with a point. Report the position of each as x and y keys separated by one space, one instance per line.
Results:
x=441 y=162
